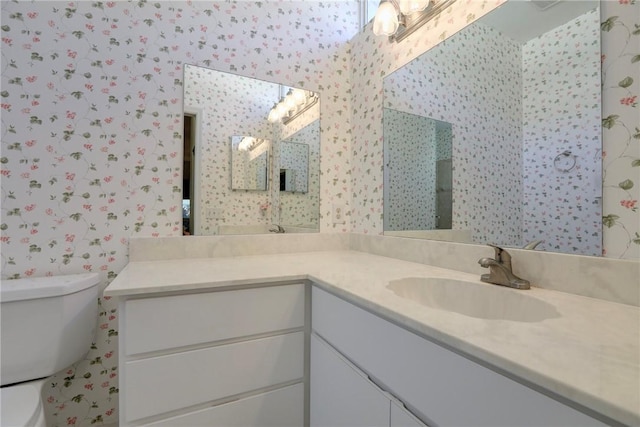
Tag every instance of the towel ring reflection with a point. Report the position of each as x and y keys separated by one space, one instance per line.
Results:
x=565 y=161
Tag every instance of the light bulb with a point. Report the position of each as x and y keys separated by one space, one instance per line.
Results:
x=299 y=96
x=244 y=144
x=289 y=101
x=385 y=23
x=407 y=7
x=281 y=109
x=273 y=115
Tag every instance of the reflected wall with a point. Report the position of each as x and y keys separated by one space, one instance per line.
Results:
x=301 y=209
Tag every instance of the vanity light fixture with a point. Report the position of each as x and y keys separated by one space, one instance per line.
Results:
x=397 y=19
x=296 y=102
x=248 y=143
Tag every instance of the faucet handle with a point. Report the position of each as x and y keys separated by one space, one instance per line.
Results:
x=502 y=255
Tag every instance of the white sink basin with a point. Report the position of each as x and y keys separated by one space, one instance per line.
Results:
x=474 y=299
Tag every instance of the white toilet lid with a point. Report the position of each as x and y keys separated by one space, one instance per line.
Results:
x=20 y=405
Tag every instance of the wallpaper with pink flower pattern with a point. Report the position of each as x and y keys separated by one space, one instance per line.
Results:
x=91 y=131
x=620 y=26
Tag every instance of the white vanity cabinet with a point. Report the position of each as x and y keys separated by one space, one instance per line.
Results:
x=440 y=386
x=232 y=357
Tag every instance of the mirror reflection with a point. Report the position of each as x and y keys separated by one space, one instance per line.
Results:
x=520 y=87
x=300 y=159
x=417 y=173
x=249 y=163
x=236 y=190
x=294 y=167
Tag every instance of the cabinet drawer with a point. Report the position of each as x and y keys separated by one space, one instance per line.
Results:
x=278 y=408
x=161 y=384
x=173 y=321
x=444 y=387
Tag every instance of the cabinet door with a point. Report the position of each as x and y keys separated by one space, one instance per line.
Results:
x=341 y=395
x=400 y=417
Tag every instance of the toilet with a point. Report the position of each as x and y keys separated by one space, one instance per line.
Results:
x=46 y=325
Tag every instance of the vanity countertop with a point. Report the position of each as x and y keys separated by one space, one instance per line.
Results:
x=590 y=354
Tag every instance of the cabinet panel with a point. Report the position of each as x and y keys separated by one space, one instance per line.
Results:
x=160 y=384
x=340 y=395
x=180 y=320
x=401 y=418
x=441 y=385
x=278 y=408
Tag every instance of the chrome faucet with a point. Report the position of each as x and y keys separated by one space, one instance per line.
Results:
x=276 y=229
x=532 y=245
x=500 y=272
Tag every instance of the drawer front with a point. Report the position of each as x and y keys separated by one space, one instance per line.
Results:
x=159 y=323
x=165 y=383
x=445 y=388
x=278 y=408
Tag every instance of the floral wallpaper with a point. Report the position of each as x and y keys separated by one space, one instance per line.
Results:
x=620 y=27
x=562 y=112
x=91 y=131
x=444 y=138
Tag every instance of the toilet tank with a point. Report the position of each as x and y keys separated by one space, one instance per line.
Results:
x=46 y=324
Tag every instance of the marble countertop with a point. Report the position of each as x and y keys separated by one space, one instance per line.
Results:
x=590 y=354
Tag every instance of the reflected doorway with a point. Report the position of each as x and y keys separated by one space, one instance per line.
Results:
x=187 y=174
x=190 y=175
x=444 y=199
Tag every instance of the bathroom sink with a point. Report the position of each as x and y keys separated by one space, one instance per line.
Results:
x=474 y=299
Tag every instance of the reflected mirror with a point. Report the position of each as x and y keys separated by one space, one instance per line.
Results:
x=300 y=178
x=521 y=91
x=236 y=190
x=249 y=163
x=294 y=167
x=417 y=175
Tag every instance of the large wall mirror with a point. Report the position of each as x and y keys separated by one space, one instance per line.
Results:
x=518 y=93
x=234 y=154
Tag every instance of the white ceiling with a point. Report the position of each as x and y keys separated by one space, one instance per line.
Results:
x=522 y=20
